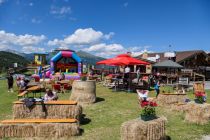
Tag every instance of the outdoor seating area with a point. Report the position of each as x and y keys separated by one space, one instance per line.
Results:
x=34 y=115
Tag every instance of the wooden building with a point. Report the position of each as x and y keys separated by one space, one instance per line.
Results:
x=188 y=59
x=40 y=58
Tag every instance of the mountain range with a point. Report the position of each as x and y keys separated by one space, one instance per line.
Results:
x=87 y=58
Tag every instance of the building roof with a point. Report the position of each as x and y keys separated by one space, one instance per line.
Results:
x=167 y=64
x=180 y=55
x=146 y=60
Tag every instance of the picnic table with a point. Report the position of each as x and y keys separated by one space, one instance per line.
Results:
x=32 y=84
x=34 y=90
x=63 y=82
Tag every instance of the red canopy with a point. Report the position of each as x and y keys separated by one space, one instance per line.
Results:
x=122 y=59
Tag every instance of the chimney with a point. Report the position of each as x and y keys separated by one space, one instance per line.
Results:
x=145 y=55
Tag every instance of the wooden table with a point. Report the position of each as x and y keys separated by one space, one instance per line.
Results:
x=34 y=89
x=58 y=102
x=31 y=84
x=63 y=82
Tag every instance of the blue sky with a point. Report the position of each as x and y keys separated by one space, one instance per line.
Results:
x=105 y=27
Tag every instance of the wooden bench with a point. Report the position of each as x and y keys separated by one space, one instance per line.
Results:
x=22 y=94
x=52 y=110
x=58 y=102
x=39 y=121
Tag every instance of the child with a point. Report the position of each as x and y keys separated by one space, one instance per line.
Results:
x=157 y=88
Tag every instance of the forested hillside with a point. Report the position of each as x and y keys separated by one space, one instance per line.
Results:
x=7 y=59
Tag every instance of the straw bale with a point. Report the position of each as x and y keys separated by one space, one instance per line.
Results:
x=20 y=111
x=144 y=130
x=84 y=92
x=168 y=99
x=179 y=107
x=49 y=130
x=198 y=113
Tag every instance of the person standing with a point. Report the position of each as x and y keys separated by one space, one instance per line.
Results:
x=126 y=77
x=138 y=75
x=10 y=82
x=157 y=88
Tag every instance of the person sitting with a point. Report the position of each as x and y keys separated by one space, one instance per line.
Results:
x=62 y=76
x=50 y=95
x=142 y=95
x=22 y=84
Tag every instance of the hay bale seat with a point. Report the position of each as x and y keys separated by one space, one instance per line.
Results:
x=197 y=113
x=60 y=109
x=47 y=128
x=84 y=92
x=169 y=99
x=144 y=130
x=179 y=107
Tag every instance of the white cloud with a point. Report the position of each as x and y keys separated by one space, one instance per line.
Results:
x=60 y=10
x=36 y=20
x=136 y=51
x=84 y=36
x=31 y=49
x=4 y=47
x=2 y=1
x=105 y=50
x=109 y=36
x=81 y=37
x=26 y=42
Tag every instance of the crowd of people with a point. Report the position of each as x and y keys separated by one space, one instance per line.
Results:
x=22 y=82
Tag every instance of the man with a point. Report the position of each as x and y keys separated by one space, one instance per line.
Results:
x=126 y=76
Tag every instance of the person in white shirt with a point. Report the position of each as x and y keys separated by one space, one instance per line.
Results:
x=50 y=95
x=142 y=94
x=127 y=69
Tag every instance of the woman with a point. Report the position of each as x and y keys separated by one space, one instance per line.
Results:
x=10 y=82
x=49 y=95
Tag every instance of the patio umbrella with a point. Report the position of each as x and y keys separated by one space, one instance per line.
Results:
x=122 y=59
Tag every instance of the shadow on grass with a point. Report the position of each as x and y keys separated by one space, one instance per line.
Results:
x=167 y=137
x=99 y=99
x=84 y=120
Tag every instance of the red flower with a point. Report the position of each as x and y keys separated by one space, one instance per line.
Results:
x=199 y=94
x=144 y=103
x=153 y=104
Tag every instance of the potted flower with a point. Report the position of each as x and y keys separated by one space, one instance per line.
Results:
x=83 y=77
x=200 y=97
x=148 y=110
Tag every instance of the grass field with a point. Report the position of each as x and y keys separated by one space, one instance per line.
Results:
x=104 y=118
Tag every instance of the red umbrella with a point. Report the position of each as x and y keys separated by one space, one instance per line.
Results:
x=122 y=59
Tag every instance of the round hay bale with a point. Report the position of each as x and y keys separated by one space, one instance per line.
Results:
x=144 y=130
x=84 y=92
x=198 y=113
